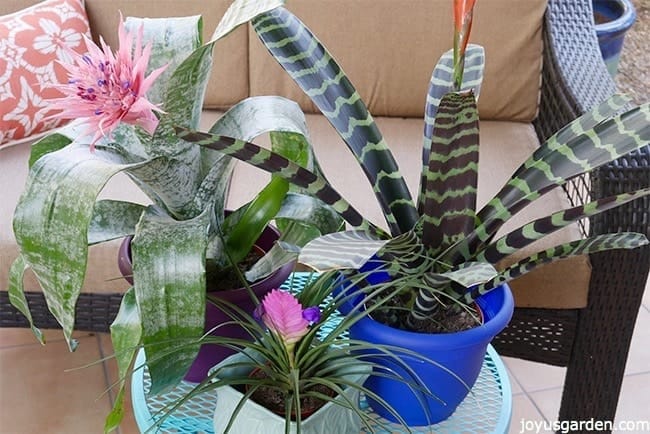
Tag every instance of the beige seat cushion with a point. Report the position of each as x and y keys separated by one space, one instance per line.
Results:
x=389 y=49
x=504 y=145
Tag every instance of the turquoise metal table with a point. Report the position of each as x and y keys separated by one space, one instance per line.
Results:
x=487 y=409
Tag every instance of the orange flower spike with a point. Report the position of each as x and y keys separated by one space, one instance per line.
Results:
x=462 y=27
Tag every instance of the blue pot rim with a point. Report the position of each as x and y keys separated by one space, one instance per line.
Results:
x=493 y=324
x=620 y=24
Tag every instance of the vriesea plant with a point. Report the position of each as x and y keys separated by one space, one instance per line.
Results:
x=185 y=230
x=442 y=247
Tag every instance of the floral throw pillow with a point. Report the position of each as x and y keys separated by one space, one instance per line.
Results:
x=31 y=42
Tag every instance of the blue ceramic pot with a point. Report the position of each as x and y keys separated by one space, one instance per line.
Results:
x=613 y=19
x=461 y=353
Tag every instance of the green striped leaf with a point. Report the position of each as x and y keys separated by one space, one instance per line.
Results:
x=547 y=169
x=598 y=243
x=447 y=200
x=442 y=82
x=527 y=234
x=465 y=275
x=276 y=164
x=316 y=72
x=340 y=250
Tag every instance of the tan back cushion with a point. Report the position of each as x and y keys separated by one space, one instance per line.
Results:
x=229 y=81
x=388 y=48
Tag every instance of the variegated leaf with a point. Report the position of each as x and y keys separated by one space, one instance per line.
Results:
x=126 y=332
x=52 y=218
x=537 y=229
x=113 y=219
x=169 y=270
x=340 y=250
x=241 y=12
x=447 y=201
x=316 y=72
x=50 y=143
x=545 y=170
x=598 y=243
x=276 y=164
x=442 y=82
x=17 y=297
x=466 y=275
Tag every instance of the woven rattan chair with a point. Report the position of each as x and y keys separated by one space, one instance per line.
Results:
x=592 y=343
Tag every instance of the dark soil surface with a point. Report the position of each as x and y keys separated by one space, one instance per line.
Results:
x=223 y=280
x=274 y=400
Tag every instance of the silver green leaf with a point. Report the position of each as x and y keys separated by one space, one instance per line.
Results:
x=51 y=223
x=113 y=219
x=340 y=250
x=241 y=12
x=17 y=294
x=169 y=280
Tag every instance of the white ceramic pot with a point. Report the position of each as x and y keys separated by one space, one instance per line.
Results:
x=254 y=418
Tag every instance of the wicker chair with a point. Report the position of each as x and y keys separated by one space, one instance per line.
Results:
x=593 y=342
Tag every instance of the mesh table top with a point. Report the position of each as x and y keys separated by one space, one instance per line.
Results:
x=487 y=409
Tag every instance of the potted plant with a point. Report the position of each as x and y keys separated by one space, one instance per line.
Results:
x=613 y=18
x=441 y=253
x=127 y=104
x=301 y=373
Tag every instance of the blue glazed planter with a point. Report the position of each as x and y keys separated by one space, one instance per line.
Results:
x=613 y=19
x=461 y=353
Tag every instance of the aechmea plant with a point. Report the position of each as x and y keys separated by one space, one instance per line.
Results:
x=127 y=103
x=443 y=244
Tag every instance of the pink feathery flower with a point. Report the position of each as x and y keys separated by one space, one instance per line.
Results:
x=283 y=314
x=105 y=89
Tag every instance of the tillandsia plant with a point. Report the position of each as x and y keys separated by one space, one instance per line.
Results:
x=300 y=359
x=128 y=104
x=446 y=247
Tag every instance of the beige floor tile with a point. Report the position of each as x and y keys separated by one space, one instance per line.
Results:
x=10 y=337
x=548 y=402
x=535 y=376
x=514 y=384
x=37 y=395
x=638 y=359
x=525 y=417
x=634 y=403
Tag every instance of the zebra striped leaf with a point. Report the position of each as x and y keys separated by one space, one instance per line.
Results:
x=316 y=72
x=598 y=243
x=442 y=82
x=276 y=164
x=547 y=169
x=447 y=201
x=537 y=229
x=340 y=250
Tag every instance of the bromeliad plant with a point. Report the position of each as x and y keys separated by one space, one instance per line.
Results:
x=444 y=245
x=127 y=125
x=300 y=359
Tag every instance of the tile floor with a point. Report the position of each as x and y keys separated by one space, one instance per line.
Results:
x=42 y=392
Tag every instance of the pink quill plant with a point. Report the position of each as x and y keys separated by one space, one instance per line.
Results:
x=283 y=314
x=105 y=89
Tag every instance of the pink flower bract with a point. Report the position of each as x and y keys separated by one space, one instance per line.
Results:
x=105 y=89
x=283 y=314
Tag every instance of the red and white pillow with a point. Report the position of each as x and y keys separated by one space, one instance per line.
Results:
x=31 y=40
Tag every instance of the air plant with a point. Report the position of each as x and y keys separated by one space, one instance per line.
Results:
x=442 y=243
x=185 y=230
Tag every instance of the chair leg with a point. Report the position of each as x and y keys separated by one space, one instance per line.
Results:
x=595 y=371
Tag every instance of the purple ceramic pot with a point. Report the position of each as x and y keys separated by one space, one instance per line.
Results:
x=210 y=355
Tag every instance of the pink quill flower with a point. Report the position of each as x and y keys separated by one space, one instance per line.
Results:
x=283 y=314
x=105 y=89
